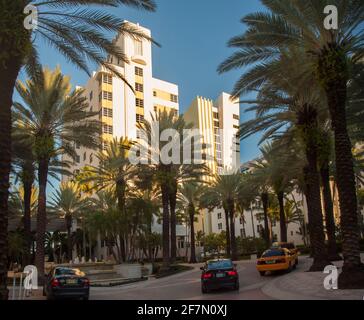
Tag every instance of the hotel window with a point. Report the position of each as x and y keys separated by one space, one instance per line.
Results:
x=139 y=103
x=138 y=71
x=219 y=215
x=91 y=95
x=106 y=78
x=91 y=158
x=216 y=115
x=105 y=145
x=78 y=145
x=78 y=160
x=154 y=93
x=139 y=118
x=219 y=226
x=155 y=108
x=138 y=47
x=107 y=129
x=107 y=112
x=139 y=87
x=236 y=117
x=174 y=98
x=204 y=157
x=236 y=127
x=106 y=95
x=216 y=123
x=84 y=156
x=138 y=134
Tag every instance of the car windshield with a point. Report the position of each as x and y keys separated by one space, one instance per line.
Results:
x=273 y=253
x=68 y=272
x=220 y=264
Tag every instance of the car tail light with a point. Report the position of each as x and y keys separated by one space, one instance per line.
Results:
x=232 y=273
x=207 y=276
x=86 y=282
x=55 y=283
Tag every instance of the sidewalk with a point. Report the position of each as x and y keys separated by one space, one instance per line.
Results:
x=302 y=285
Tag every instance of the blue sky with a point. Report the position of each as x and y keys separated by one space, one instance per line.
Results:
x=193 y=35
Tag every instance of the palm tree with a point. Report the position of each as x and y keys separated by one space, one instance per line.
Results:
x=330 y=55
x=68 y=203
x=166 y=174
x=279 y=175
x=190 y=194
x=52 y=120
x=114 y=173
x=75 y=31
x=290 y=113
x=24 y=167
x=224 y=193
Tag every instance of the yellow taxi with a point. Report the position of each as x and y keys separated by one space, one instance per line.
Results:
x=288 y=245
x=276 y=259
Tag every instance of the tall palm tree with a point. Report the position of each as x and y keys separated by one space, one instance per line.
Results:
x=330 y=55
x=52 y=119
x=190 y=194
x=114 y=173
x=72 y=28
x=67 y=203
x=290 y=113
x=24 y=167
x=278 y=174
x=166 y=174
x=224 y=193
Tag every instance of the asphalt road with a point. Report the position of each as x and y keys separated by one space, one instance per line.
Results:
x=187 y=286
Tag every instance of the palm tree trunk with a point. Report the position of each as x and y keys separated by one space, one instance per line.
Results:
x=192 y=235
x=234 y=254
x=228 y=239
x=264 y=197
x=12 y=51
x=27 y=186
x=333 y=67
x=165 y=226
x=120 y=191
x=282 y=217
x=173 y=222
x=329 y=213
x=315 y=221
x=41 y=217
x=69 y=239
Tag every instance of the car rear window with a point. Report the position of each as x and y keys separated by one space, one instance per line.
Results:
x=273 y=253
x=67 y=272
x=288 y=246
x=223 y=264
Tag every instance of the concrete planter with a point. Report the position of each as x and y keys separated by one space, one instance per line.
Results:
x=130 y=271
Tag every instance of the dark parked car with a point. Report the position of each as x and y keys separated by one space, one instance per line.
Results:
x=62 y=282
x=219 y=273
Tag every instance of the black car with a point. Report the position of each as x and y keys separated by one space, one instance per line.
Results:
x=220 y=273
x=63 y=282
